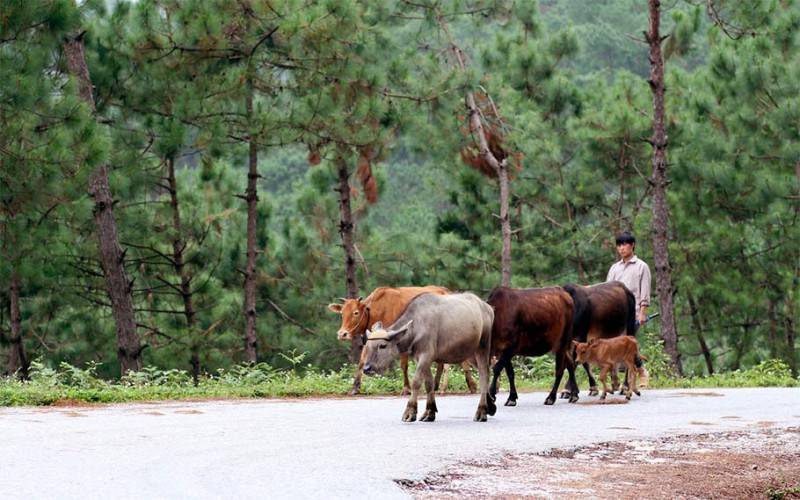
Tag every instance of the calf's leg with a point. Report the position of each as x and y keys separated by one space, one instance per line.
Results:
x=603 y=374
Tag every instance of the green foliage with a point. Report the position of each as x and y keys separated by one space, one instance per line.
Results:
x=569 y=81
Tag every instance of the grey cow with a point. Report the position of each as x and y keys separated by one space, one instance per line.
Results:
x=436 y=328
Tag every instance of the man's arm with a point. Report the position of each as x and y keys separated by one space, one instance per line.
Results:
x=644 y=290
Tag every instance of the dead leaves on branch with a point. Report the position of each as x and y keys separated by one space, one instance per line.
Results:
x=492 y=126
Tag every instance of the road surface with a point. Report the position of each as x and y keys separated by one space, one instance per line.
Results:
x=329 y=448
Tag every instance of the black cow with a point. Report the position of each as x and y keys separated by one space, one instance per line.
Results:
x=603 y=311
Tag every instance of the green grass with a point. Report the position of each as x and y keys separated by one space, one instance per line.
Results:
x=48 y=386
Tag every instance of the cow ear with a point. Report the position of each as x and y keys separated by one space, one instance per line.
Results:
x=400 y=331
x=377 y=326
x=591 y=341
x=360 y=298
x=337 y=308
x=574 y=343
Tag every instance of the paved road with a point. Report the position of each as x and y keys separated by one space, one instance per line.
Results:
x=327 y=448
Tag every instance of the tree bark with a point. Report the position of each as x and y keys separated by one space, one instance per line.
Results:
x=791 y=336
x=251 y=196
x=347 y=231
x=178 y=248
x=17 y=359
x=697 y=324
x=118 y=286
x=660 y=208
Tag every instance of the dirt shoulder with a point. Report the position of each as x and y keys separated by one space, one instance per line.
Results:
x=760 y=463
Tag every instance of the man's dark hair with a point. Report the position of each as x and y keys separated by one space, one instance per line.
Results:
x=625 y=237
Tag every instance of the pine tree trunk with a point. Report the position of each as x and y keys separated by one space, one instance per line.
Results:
x=791 y=336
x=17 y=360
x=118 y=286
x=251 y=196
x=178 y=248
x=697 y=324
x=347 y=232
x=660 y=209
x=505 y=226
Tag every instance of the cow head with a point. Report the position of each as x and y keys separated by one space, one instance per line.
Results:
x=355 y=317
x=581 y=351
x=382 y=347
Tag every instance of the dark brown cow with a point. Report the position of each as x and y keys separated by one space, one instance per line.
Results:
x=531 y=322
x=384 y=304
x=602 y=311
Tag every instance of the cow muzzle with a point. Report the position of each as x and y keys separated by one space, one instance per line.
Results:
x=369 y=369
x=343 y=335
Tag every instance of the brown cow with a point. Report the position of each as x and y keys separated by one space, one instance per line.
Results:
x=531 y=322
x=602 y=311
x=607 y=353
x=384 y=304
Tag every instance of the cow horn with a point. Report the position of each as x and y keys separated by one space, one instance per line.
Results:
x=378 y=325
x=399 y=331
x=342 y=299
x=377 y=336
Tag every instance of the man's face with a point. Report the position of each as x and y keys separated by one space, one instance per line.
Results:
x=625 y=250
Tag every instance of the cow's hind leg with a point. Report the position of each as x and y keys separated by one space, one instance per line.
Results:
x=471 y=385
x=430 y=405
x=592 y=382
x=404 y=367
x=486 y=405
x=561 y=361
x=571 y=382
x=498 y=367
x=441 y=369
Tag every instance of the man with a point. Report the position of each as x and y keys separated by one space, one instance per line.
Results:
x=634 y=273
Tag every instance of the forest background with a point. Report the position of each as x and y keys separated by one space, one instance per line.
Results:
x=235 y=137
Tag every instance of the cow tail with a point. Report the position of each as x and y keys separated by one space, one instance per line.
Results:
x=631 y=324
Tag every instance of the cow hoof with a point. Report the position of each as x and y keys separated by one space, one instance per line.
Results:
x=573 y=398
x=409 y=416
x=491 y=408
x=428 y=416
x=405 y=391
x=511 y=402
x=353 y=392
x=638 y=393
x=628 y=396
x=593 y=391
x=564 y=395
x=603 y=396
x=550 y=401
x=480 y=416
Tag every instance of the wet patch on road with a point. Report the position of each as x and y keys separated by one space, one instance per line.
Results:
x=610 y=401
x=189 y=412
x=696 y=394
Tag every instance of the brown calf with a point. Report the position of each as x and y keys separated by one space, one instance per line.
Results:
x=607 y=353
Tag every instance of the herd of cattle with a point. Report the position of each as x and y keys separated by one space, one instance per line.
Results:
x=584 y=324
